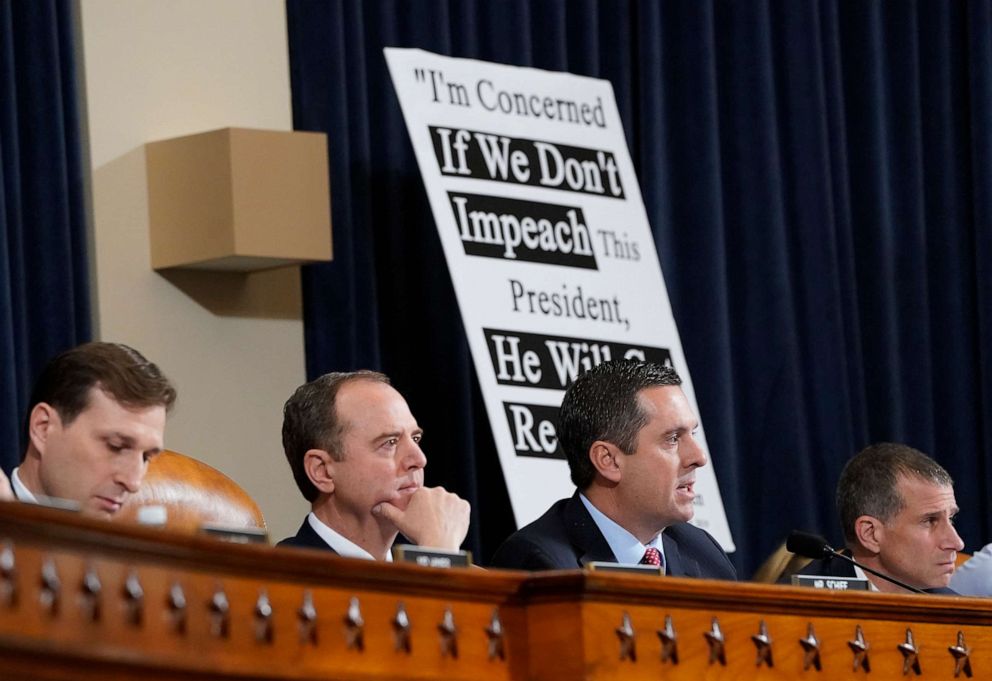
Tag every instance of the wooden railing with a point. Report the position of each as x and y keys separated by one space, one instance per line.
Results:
x=83 y=599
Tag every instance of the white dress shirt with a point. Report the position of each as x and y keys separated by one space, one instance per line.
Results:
x=343 y=547
x=625 y=546
x=20 y=491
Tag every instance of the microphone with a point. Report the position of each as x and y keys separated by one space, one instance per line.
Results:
x=815 y=546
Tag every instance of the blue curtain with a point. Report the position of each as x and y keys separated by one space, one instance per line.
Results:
x=818 y=176
x=44 y=298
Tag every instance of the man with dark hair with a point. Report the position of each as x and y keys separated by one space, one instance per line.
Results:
x=629 y=436
x=96 y=417
x=354 y=449
x=897 y=509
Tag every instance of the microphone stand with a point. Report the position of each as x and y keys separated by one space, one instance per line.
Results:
x=838 y=554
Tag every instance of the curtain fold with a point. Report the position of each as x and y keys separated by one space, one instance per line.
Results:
x=818 y=177
x=44 y=292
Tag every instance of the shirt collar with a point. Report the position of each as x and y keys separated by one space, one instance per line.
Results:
x=625 y=546
x=20 y=491
x=343 y=547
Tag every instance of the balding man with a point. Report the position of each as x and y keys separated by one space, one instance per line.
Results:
x=354 y=449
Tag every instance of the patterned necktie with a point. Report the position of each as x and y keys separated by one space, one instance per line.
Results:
x=652 y=556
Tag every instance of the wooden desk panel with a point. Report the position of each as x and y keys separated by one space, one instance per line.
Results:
x=593 y=607
x=557 y=626
x=64 y=642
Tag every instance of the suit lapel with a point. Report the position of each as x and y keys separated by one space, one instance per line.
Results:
x=673 y=559
x=840 y=567
x=590 y=544
x=309 y=537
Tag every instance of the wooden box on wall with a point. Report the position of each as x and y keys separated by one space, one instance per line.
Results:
x=238 y=199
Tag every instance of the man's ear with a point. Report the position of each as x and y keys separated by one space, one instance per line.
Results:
x=870 y=532
x=320 y=469
x=43 y=417
x=605 y=458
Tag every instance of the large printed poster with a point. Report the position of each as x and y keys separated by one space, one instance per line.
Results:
x=548 y=244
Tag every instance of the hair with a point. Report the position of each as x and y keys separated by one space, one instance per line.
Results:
x=868 y=484
x=118 y=370
x=310 y=421
x=602 y=404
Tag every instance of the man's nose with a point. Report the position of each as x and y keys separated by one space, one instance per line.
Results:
x=130 y=471
x=953 y=539
x=413 y=456
x=693 y=455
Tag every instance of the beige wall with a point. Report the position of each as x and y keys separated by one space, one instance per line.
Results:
x=233 y=344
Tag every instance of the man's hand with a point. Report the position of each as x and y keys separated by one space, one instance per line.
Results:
x=434 y=518
x=6 y=493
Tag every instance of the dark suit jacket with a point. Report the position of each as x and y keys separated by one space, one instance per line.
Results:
x=566 y=537
x=832 y=566
x=306 y=538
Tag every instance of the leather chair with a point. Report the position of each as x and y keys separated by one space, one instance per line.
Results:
x=193 y=494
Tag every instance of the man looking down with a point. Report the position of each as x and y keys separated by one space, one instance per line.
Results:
x=96 y=418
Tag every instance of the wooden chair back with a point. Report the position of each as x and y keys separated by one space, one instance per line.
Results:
x=193 y=494
x=781 y=563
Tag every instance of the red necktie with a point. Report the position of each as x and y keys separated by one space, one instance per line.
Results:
x=652 y=556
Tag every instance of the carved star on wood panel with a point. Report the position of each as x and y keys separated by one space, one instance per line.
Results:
x=220 y=613
x=134 y=598
x=669 y=642
x=176 y=602
x=494 y=634
x=860 y=649
x=811 y=649
x=962 y=657
x=263 y=618
x=625 y=633
x=910 y=655
x=714 y=637
x=51 y=587
x=8 y=575
x=354 y=625
x=307 y=618
x=763 y=646
x=449 y=634
x=401 y=629
x=91 y=588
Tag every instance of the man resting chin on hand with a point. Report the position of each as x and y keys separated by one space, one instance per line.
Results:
x=354 y=449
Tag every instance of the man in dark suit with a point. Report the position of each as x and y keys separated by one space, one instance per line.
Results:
x=354 y=449
x=897 y=510
x=629 y=436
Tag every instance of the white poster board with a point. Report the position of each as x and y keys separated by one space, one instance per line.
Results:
x=548 y=244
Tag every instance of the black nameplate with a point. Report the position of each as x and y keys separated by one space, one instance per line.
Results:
x=602 y=566
x=832 y=583
x=238 y=535
x=428 y=557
